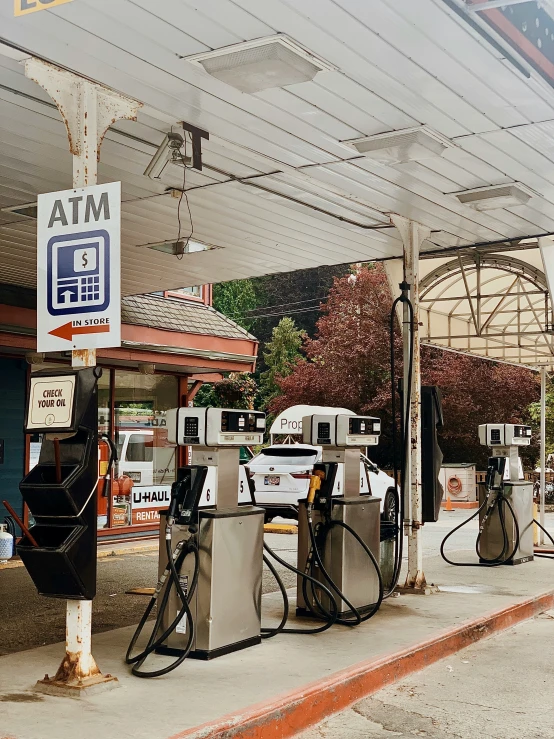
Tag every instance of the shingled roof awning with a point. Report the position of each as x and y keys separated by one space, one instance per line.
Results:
x=177 y=335
x=175 y=314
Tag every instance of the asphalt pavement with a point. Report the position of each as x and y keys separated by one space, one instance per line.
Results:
x=500 y=688
x=28 y=620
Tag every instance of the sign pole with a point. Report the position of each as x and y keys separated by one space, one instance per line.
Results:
x=88 y=109
x=78 y=620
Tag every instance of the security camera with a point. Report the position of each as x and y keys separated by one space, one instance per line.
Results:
x=169 y=152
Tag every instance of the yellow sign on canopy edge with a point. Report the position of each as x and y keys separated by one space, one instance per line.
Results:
x=23 y=7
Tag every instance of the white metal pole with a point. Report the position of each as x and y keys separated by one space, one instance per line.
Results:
x=413 y=234
x=415 y=576
x=406 y=412
x=543 y=454
x=88 y=110
x=85 y=173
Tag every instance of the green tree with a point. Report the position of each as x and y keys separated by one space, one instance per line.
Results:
x=298 y=294
x=235 y=299
x=280 y=355
x=348 y=365
x=238 y=390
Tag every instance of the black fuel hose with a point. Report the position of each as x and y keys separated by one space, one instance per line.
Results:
x=538 y=554
x=400 y=498
x=113 y=452
x=374 y=607
x=315 y=550
x=315 y=584
x=267 y=632
x=331 y=616
x=171 y=572
x=503 y=557
x=314 y=559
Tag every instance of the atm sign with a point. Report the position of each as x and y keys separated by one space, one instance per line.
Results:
x=23 y=7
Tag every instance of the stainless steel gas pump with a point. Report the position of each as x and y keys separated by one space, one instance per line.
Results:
x=505 y=502
x=211 y=558
x=336 y=532
x=506 y=529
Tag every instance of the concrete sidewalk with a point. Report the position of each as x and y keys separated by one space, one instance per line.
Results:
x=290 y=678
x=496 y=689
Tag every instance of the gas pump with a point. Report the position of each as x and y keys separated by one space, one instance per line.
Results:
x=210 y=566
x=337 y=535
x=505 y=502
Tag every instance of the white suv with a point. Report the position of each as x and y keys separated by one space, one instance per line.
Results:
x=281 y=474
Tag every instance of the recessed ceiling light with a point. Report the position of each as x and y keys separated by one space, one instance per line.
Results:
x=412 y=144
x=497 y=196
x=180 y=247
x=253 y=66
x=28 y=210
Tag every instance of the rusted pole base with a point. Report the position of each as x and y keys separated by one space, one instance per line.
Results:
x=418 y=586
x=69 y=681
x=78 y=675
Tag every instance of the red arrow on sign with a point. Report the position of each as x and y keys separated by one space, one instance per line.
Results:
x=68 y=330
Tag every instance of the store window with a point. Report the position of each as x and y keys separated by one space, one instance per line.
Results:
x=131 y=409
x=147 y=461
x=187 y=292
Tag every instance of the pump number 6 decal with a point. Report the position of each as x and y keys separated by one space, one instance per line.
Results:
x=208 y=494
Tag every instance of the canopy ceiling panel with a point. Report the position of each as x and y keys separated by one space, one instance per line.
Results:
x=282 y=187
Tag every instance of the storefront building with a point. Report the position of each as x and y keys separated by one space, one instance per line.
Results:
x=171 y=344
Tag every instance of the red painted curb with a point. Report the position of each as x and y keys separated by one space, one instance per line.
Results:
x=303 y=707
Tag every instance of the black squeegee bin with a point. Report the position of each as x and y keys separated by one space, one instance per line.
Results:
x=61 y=566
x=44 y=496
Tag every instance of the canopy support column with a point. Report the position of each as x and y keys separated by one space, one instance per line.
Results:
x=413 y=235
x=543 y=454
x=88 y=110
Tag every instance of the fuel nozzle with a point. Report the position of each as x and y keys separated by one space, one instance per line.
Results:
x=315 y=484
x=178 y=493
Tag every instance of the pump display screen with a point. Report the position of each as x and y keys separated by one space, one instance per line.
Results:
x=363 y=427
x=191 y=435
x=495 y=436
x=323 y=432
x=240 y=422
x=522 y=431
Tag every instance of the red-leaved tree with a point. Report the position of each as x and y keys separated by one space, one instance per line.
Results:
x=348 y=365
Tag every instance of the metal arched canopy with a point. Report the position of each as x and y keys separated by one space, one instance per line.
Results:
x=492 y=301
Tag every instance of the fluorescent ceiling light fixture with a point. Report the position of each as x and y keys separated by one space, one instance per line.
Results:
x=169 y=152
x=264 y=64
x=27 y=210
x=496 y=196
x=13 y=53
x=179 y=247
x=412 y=144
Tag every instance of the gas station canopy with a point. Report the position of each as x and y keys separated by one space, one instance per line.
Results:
x=319 y=119
x=492 y=301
